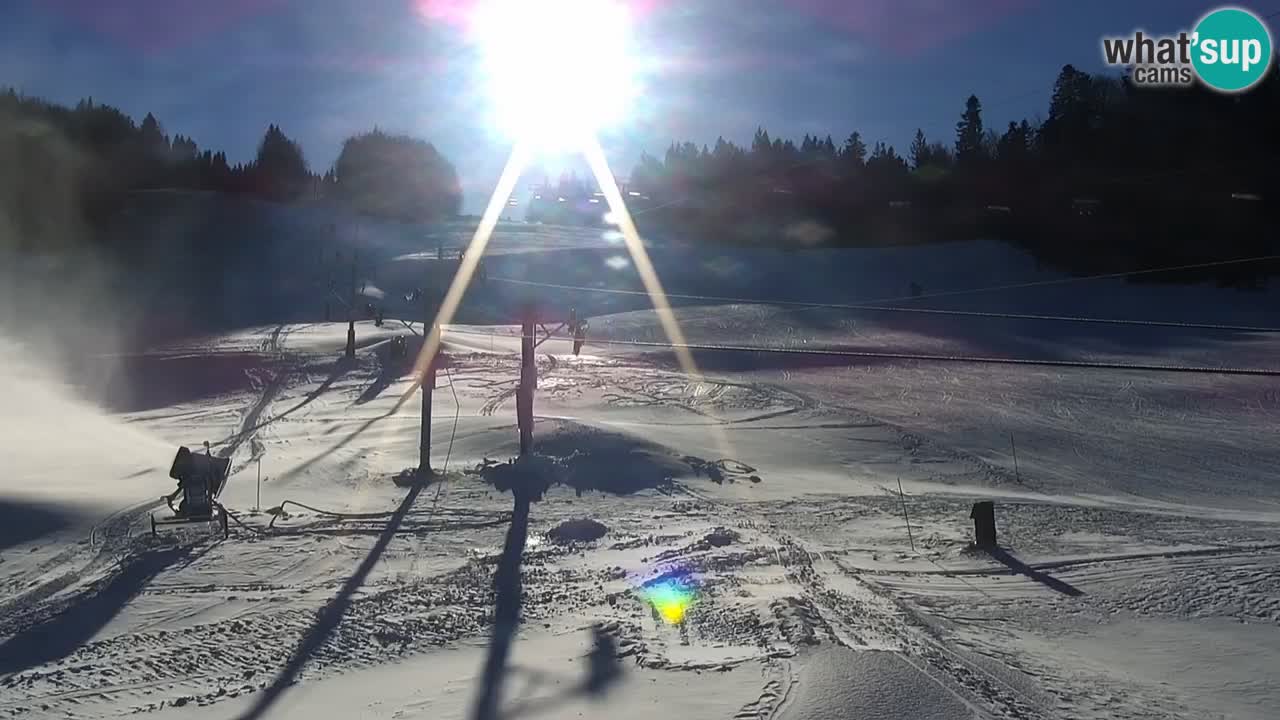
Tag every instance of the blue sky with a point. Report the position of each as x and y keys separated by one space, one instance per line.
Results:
x=220 y=71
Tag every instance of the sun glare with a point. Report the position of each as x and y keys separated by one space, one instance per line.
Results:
x=557 y=71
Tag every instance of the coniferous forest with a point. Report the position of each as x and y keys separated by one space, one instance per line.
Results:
x=1111 y=177
x=98 y=153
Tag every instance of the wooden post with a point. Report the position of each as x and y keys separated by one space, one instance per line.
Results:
x=903 y=498
x=983 y=515
x=528 y=381
x=351 y=317
x=330 y=288
x=1016 y=474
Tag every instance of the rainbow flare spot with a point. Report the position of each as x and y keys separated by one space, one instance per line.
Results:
x=672 y=597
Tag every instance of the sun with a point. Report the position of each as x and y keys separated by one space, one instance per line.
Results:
x=557 y=71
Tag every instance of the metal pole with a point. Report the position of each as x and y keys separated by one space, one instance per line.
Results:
x=428 y=386
x=1016 y=474
x=258 y=503
x=424 y=445
x=903 y=498
x=351 y=318
x=528 y=381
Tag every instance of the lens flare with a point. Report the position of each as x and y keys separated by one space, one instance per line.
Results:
x=557 y=70
x=672 y=596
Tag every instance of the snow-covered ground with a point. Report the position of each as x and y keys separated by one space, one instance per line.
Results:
x=754 y=561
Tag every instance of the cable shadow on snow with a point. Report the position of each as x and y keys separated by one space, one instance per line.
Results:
x=375 y=388
x=391 y=369
x=340 y=368
x=60 y=636
x=1007 y=559
x=350 y=438
x=331 y=615
x=252 y=424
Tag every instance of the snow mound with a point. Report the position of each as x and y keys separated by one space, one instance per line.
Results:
x=608 y=461
x=578 y=530
x=588 y=458
x=721 y=537
x=530 y=474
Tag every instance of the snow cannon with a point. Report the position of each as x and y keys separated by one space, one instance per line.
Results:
x=399 y=349
x=201 y=478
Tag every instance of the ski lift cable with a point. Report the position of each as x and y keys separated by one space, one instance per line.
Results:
x=457 y=410
x=878 y=305
x=926 y=357
x=444 y=472
x=924 y=311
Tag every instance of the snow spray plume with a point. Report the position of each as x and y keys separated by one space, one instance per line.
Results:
x=57 y=300
x=57 y=309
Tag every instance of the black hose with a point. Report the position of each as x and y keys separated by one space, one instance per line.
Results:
x=330 y=513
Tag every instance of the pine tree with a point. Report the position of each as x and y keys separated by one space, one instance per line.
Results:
x=400 y=177
x=969 y=133
x=280 y=167
x=1073 y=113
x=649 y=174
x=939 y=155
x=761 y=144
x=1014 y=144
x=919 y=151
x=885 y=165
x=152 y=138
x=854 y=153
x=787 y=151
x=184 y=149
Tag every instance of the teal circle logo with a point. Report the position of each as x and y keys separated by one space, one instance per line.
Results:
x=1231 y=49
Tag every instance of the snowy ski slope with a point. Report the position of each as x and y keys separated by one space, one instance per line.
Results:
x=1138 y=573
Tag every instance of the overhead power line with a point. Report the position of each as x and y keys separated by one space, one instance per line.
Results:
x=924 y=357
x=879 y=305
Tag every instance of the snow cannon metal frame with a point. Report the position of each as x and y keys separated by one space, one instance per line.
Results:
x=201 y=478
